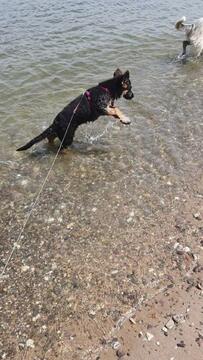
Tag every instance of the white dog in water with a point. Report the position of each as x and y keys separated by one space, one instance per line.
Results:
x=194 y=35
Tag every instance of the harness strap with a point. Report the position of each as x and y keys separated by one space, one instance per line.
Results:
x=105 y=88
x=88 y=95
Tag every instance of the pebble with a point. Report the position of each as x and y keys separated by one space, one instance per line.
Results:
x=181 y=344
x=114 y=272
x=62 y=206
x=201 y=335
x=30 y=343
x=195 y=257
x=187 y=249
x=54 y=266
x=115 y=344
x=24 y=182
x=199 y=339
x=131 y=216
x=70 y=225
x=198 y=268
x=120 y=354
x=165 y=330
x=199 y=286
x=197 y=216
x=21 y=346
x=170 y=324
x=179 y=318
x=180 y=249
x=24 y=268
x=132 y=321
x=50 y=220
x=92 y=313
x=149 y=336
x=35 y=318
x=16 y=245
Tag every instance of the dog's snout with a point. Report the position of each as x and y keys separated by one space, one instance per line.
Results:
x=129 y=95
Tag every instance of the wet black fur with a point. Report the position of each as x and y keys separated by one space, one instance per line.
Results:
x=87 y=111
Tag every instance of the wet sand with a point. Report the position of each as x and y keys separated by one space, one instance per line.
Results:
x=152 y=333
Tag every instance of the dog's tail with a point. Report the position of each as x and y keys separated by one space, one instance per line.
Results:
x=180 y=23
x=46 y=133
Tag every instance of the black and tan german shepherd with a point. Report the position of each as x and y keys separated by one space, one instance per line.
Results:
x=96 y=101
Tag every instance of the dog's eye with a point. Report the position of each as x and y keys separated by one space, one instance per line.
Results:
x=125 y=85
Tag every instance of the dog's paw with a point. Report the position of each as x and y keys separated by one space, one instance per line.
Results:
x=125 y=120
x=64 y=151
x=181 y=57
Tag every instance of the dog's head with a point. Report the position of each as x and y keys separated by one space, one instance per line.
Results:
x=180 y=23
x=124 y=84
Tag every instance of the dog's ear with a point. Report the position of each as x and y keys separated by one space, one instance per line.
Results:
x=126 y=75
x=118 y=72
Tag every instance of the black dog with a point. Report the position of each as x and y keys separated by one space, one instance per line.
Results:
x=95 y=102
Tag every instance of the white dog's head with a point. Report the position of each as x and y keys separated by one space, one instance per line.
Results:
x=180 y=23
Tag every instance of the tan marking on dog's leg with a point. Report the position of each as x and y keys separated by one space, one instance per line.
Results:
x=111 y=111
x=118 y=114
x=123 y=118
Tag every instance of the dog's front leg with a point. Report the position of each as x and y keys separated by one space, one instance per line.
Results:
x=185 y=44
x=115 y=112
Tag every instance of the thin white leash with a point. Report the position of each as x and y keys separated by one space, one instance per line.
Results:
x=16 y=244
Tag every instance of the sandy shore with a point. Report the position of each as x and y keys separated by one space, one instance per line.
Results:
x=156 y=311
x=170 y=326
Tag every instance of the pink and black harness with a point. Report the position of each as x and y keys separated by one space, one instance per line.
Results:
x=88 y=94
